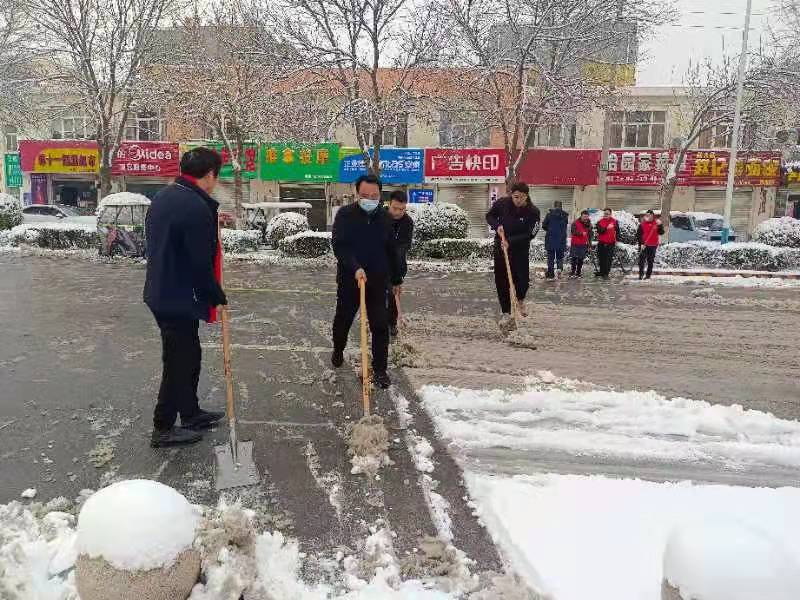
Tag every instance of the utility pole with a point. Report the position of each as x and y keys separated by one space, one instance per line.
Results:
x=737 y=121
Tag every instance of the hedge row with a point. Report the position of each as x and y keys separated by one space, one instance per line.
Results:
x=55 y=236
x=748 y=256
x=235 y=241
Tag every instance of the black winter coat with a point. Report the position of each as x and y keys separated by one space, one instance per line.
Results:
x=520 y=224
x=181 y=231
x=363 y=240
x=555 y=224
x=403 y=230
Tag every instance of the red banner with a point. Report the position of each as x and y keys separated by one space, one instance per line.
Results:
x=545 y=166
x=465 y=165
x=147 y=159
x=710 y=168
x=637 y=168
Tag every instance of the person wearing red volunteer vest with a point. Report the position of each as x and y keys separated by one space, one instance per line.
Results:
x=607 y=229
x=181 y=288
x=648 y=236
x=580 y=239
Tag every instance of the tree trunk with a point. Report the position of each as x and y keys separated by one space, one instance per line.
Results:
x=105 y=180
x=666 y=204
x=237 y=182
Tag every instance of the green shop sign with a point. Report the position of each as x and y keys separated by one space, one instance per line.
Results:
x=13 y=171
x=249 y=161
x=314 y=163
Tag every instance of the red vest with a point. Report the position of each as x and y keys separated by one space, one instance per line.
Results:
x=609 y=236
x=581 y=235
x=650 y=233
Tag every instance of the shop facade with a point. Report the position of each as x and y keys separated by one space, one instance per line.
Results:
x=146 y=167
x=60 y=172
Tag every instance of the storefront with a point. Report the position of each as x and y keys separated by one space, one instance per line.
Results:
x=146 y=167
x=554 y=174
x=61 y=172
x=465 y=177
x=225 y=192
x=787 y=202
x=304 y=173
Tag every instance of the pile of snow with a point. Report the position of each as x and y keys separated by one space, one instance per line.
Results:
x=56 y=236
x=726 y=560
x=307 y=244
x=750 y=256
x=784 y=231
x=284 y=225
x=628 y=224
x=613 y=532
x=151 y=523
x=439 y=220
x=236 y=241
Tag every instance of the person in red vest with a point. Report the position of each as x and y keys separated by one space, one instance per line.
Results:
x=607 y=230
x=648 y=235
x=580 y=239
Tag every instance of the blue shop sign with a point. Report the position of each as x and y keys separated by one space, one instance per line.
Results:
x=398 y=166
x=420 y=196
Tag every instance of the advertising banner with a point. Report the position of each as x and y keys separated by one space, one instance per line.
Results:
x=147 y=159
x=465 y=165
x=316 y=163
x=398 y=165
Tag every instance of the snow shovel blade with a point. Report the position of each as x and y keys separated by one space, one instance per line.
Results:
x=238 y=471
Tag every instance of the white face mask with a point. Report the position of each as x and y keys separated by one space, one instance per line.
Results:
x=367 y=204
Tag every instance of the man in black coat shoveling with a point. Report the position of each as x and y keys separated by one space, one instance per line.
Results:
x=181 y=289
x=366 y=250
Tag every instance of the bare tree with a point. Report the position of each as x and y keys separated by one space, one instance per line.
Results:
x=229 y=74
x=374 y=57
x=98 y=49
x=17 y=72
x=530 y=63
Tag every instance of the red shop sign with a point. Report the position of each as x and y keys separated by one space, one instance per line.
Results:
x=710 y=168
x=465 y=165
x=637 y=168
x=147 y=159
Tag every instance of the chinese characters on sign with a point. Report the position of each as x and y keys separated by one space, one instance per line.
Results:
x=398 y=165
x=478 y=165
x=420 y=196
x=295 y=162
x=637 y=168
x=67 y=160
x=247 y=162
x=13 y=172
x=153 y=159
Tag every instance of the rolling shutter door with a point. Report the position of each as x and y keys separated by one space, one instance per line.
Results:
x=224 y=194
x=472 y=198
x=633 y=200
x=545 y=197
x=713 y=201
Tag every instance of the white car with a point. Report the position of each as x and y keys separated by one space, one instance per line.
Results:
x=55 y=213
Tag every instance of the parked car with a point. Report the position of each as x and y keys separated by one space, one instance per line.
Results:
x=55 y=213
x=698 y=226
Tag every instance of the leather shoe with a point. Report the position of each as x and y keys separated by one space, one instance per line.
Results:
x=203 y=419
x=337 y=358
x=174 y=436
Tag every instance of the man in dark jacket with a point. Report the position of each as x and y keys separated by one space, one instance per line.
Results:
x=648 y=235
x=403 y=231
x=365 y=250
x=181 y=289
x=515 y=221
x=555 y=239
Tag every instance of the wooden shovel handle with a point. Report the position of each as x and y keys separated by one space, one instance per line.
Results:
x=511 y=289
x=365 y=383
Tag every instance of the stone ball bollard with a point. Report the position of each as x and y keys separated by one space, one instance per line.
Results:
x=135 y=540
x=722 y=560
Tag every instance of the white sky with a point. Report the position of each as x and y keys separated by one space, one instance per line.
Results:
x=664 y=60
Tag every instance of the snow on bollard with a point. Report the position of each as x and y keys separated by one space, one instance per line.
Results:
x=727 y=561
x=135 y=540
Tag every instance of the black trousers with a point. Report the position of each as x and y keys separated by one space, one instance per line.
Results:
x=555 y=259
x=347 y=305
x=520 y=273
x=647 y=255
x=393 y=312
x=577 y=255
x=181 y=357
x=605 y=256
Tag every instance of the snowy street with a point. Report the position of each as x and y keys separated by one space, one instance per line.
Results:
x=482 y=428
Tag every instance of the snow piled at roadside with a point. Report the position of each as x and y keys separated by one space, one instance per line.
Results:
x=622 y=425
x=725 y=281
x=613 y=533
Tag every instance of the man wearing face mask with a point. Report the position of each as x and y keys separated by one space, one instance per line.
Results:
x=365 y=250
x=648 y=235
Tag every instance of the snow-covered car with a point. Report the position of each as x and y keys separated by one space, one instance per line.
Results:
x=55 y=213
x=698 y=227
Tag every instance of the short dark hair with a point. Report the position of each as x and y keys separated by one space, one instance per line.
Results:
x=584 y=212
x=369 y=179
x=650 y=212
x=520 y=186
x=557 y=204
x=199 y=162
x=398 y=196
x=607 y=209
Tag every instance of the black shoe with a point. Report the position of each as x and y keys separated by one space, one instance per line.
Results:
x=393 y=331
x=647 y=276
x=337 y=358
x=202 y=420
x=382 y=380
x=174 y=436
x=641 y=276
x=605 y=277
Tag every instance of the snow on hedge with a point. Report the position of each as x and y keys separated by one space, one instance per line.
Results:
x=56 y=236
x=751 y=256
x=628 y=225
x=284 y=225
x=10 y=212
x=306 y=244
x=439 y=220
x=236 y=241
x=784 y=231
x=151 y=523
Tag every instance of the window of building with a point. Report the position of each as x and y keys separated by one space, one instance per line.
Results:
x=144 y=127
x=396 y=134
x=11 y=138
x=462 y=130
x=71 y=127
x=718 y=136
x=638 y=129
x=559 y=135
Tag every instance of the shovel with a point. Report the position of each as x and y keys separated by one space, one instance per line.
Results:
x=512 y=291
x=235 y=466
x=365 y=382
